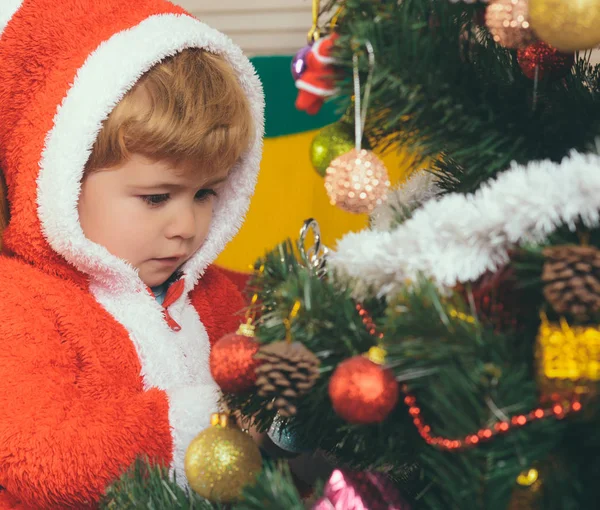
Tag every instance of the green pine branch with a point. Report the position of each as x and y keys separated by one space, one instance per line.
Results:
x=274 y=490
x=465 y=376
x=150 y=487
x=471 y=379
x=443 y=89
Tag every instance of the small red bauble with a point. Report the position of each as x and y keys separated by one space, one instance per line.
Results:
x=232 y=362
x=549 y=61
x=362 y=391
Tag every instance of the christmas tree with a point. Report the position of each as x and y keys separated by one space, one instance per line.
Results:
x=449 y=356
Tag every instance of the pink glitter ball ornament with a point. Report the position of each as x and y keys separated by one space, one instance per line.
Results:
x=347 y=490
x=357 y=181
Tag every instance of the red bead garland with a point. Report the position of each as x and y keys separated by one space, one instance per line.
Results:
x=368 y=321
x=557 y=411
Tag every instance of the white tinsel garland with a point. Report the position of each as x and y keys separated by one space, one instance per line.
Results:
x=459 y=237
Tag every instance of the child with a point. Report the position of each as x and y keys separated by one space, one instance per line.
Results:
x=130 y=139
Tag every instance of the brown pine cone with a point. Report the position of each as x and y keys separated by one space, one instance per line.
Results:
x=288 y=371
x=572 y=281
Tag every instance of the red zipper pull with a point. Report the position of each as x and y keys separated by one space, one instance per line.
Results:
x=170 y=321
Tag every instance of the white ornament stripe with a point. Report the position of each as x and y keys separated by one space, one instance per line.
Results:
x=460 y=237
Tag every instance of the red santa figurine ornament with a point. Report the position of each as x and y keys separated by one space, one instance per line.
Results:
x=317 y=82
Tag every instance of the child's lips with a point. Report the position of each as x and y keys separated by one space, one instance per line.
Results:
x=169 y=260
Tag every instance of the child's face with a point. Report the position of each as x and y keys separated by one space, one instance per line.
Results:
x=149 y=213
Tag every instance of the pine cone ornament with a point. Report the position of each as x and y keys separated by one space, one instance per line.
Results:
x=571 y=279
x=287 y=372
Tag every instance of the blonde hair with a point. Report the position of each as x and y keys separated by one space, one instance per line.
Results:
x=189 y=107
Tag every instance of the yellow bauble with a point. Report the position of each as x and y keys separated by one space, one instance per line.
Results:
x=568 y=25
x=221 y=461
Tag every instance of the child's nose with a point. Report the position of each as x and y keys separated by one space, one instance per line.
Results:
x=183 y=224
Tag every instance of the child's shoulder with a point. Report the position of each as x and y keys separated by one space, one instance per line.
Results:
x=30 y=300
x=18 y=276
x=218 y=279
x=29 y=287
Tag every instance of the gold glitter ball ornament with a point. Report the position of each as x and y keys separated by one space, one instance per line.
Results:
x=568 y=25
x=508 y=22
x=221 y=461
x=357 y=181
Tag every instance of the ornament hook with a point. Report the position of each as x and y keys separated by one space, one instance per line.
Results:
x=316 y=254
x=314 y=34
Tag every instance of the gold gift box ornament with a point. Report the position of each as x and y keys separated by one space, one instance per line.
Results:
x=568 y=356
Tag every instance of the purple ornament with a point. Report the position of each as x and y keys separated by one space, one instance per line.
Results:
x=299 y=62
x=346 y=490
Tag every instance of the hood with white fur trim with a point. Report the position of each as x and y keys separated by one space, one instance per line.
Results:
x=65 y=65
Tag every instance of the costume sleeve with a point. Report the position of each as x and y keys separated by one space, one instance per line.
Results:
x=63 y=440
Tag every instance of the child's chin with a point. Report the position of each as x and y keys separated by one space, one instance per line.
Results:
x=155 y=280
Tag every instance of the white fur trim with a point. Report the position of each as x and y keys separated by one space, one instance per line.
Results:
x=317 y=91
x=189 y=412
x=321 y=58
x=108 y=73
x=8 y=8
x=460 y=237
x=176 y=362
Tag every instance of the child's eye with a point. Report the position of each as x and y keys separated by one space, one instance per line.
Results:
x=154 y=200
x=203 y=194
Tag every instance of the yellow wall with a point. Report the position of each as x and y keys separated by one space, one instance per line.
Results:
x=288 y=192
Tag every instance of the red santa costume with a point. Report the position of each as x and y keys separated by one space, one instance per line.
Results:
x=94 y=372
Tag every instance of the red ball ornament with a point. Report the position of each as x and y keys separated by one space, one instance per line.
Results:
x=232 y=362
x=548 y=61
x=362 y=391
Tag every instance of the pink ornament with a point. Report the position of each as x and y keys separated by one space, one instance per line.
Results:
x=357 y=181
x=347 y=490
x=508 y=22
